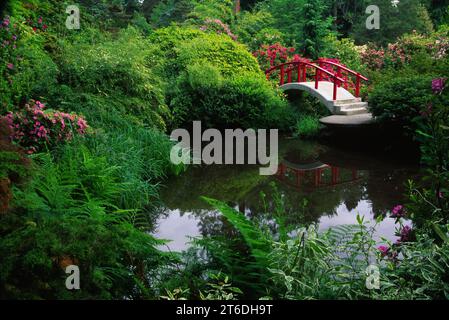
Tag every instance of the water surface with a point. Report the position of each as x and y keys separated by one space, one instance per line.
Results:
x=317 y=183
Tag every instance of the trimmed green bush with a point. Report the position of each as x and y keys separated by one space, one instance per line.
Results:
x=246 y=100
x=228 y=56
x=401 y=99
x=218 y=81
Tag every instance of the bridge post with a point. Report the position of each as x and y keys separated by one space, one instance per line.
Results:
x=299 y=72
x=335 y=88
x=282 y=75
x=357 y=86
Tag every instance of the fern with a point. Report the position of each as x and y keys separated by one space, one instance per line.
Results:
x=257 y=241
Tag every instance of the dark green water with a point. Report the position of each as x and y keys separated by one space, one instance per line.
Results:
x=335 y=183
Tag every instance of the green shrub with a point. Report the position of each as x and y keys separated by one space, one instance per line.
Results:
x=123 y=139
x=401 y=99
x=119 y=69
x=246 y=100
x=33 y=71
x=204 y=77
x=212 y=78
x=228 y=56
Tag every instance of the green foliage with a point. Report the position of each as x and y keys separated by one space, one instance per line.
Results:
x=33 y=71
x=333 y=264
x=286 y=15
x=407 y=16
x=228 y=56
x=218 y=81
x=191 y=12
x=344 y=50
x=204 y=77
x=70 y=211
x=246 y=100
x=401 y=99
x=169 y=11
x=246 y=265
x=255 y=239
x=315 y=28
x=307 y=126
x=220 y=289
x=121 y=69
x=428 y=201
x=421 y=274
x=212 y=9
x=256 y=29
x=439 y=11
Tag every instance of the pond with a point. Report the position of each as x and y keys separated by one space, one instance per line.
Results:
x=317 y=182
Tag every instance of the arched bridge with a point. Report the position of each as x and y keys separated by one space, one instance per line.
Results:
x=335 y=85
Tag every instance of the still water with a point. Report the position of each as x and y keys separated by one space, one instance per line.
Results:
x=316 y=183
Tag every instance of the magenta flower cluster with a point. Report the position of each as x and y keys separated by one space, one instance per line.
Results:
x=405 y=234
x=217 y=26
x=438 y=85
x=272 y=55
x=387 y=252
x=398 y=212
x=33 y=127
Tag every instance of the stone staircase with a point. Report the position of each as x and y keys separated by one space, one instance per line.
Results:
x=350 y=107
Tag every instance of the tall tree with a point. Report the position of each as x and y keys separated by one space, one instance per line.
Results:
x=439 y=11
x=316 y=27
x=148 y=6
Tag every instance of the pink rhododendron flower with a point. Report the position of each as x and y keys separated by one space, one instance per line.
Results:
x=35 y=128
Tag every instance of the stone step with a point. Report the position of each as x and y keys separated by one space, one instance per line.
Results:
x=347 y=101
x=352 y=111
x=350 y=106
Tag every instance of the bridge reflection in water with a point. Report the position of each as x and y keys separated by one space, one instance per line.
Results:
x=315 y=175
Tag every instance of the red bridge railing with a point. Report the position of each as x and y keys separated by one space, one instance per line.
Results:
x=297 y=71
x=344 y=72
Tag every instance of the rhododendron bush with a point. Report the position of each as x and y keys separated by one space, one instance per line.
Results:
x=272 y=55
x=403 y=51
x=33 y=127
